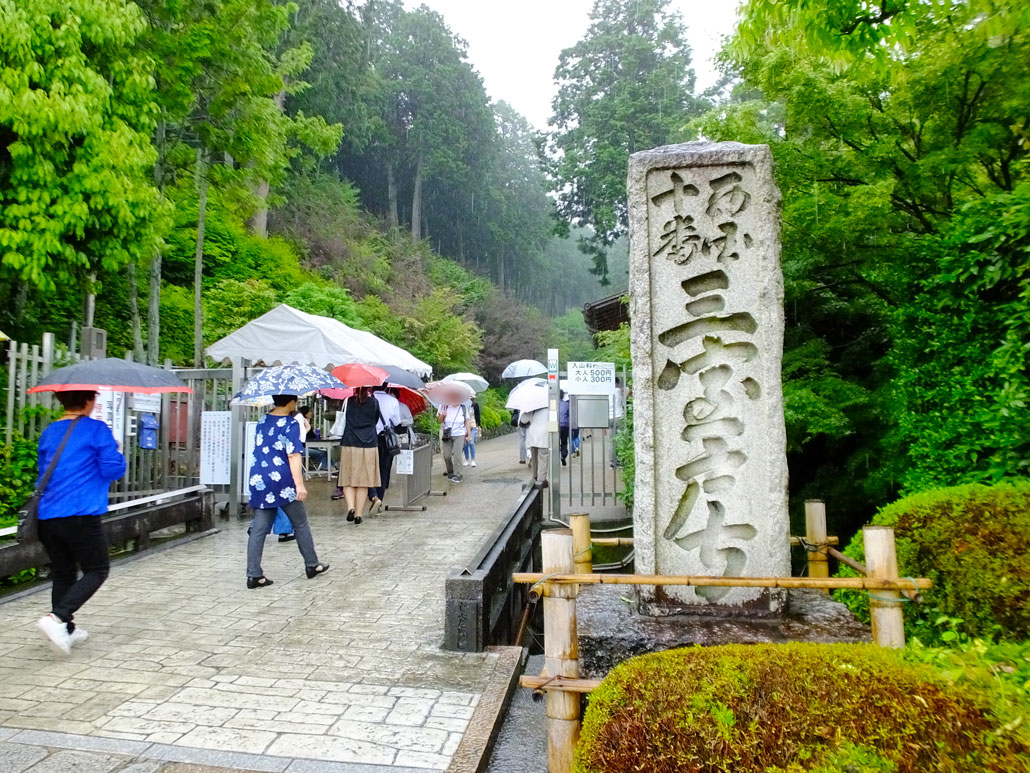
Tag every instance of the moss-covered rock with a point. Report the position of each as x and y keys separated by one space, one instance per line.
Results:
x=972 y=542
x=786 y=709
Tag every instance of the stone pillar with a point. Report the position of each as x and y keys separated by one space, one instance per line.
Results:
x=706 y=295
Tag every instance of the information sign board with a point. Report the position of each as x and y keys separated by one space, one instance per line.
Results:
x=590 y=378
x=215 y=447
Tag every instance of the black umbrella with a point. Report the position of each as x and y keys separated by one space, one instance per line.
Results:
x=402 y=377
x=113 y=375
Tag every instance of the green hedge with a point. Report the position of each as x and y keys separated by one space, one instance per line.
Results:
x=972 y=541
x=789 y=708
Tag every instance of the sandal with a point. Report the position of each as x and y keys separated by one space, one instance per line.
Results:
x=258 y=582
x=350 y=515
x=314 y=571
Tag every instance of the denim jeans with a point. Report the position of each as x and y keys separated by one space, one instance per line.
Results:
x=73 y=543
x=470 y=445
x=298 y=515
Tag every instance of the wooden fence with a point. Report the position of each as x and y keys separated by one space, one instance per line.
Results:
x=566 y=566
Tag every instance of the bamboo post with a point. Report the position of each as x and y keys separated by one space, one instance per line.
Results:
x=815 y=534
x=561 y=650
x=884 y=605
x=582 y=555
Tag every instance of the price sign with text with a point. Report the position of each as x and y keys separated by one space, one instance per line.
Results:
x=590 y=378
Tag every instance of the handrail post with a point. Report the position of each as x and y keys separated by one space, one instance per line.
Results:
x=885 y=613
x=815 y=534
x=561 y=650
x=582 y=555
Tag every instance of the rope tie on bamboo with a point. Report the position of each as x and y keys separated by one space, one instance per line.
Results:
x=580 y=553
x=542 y=580
x=901 y=596
x=812 y=547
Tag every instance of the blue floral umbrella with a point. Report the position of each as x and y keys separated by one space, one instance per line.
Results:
x=286 y=380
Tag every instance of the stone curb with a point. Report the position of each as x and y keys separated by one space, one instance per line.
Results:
x=473 y=753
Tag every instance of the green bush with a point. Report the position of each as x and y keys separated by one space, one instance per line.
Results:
x=491 y=409
x=791 y=708
x=972 y=542
x=17 y=477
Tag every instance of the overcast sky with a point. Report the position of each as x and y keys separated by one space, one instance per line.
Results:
x=514 y=44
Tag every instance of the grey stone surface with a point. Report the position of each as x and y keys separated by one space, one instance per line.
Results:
x=611 y=629
x=706 y=294
x=77 y=762
x=522 y=741
x=14 y=758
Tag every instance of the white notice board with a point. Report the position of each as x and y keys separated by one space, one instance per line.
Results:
x=590 y=378
x=110 y=409
x=249 y=436
x=145 y=403
x=406 y=462
x=215 y=447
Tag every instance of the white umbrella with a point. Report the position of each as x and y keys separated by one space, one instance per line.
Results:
x=529 y=396
x=478 y=383
x=524 y=368
x=449 y=392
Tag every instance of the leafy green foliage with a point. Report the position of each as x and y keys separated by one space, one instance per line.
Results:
x=325 y=300
x=229 y=304
x=76 y=111
x=626 y=86
x=971 y=541
x=790 y=708
x=17 y=477
x=492 y=410
x=569 y=335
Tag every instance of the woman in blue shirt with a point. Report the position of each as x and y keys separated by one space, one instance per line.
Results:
x=70 y=510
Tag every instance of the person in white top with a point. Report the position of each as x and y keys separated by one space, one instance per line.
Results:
x=454 y=431
x=538 y=441
x=390 y=411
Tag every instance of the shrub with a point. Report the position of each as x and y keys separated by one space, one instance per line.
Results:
x=790 y=708
x=17 y=477
x=971 y=541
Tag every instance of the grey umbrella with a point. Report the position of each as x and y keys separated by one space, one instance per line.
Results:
x=111 y=374
x=401 y=377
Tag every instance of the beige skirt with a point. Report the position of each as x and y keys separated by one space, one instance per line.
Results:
x=359 y=467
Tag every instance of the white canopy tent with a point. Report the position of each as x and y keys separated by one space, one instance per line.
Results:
x=287 y=335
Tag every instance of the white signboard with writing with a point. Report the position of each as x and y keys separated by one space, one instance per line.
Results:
x=249 y=435
x=215 y=447
x=406 y=462
x=590 y=378
x=110 y=409
x=146 y=403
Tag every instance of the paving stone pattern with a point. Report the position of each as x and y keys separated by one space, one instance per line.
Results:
x=185 y=668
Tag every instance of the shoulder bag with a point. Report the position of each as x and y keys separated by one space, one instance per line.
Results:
x=28 y=516
x=391 y=443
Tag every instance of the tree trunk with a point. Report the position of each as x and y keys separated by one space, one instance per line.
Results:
x=154 y=299
x=200 y=179
x=137 y=334
x=91 y=300
x=416 y=202
x=259 y=220
x=392 y=219
x=500 y=272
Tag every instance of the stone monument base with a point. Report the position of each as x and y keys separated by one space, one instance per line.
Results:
x=771 y=602
x=611 y=629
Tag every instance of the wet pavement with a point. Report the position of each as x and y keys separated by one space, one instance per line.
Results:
x=187 y=671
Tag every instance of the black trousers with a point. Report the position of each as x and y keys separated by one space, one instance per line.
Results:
x=74 y=543
x=563 y=442
x=385 y=467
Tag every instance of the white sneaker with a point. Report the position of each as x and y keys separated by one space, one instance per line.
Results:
x=377 y=506
x=465 y=463
x=57 y=632
x=78 y=636
x=472 y=463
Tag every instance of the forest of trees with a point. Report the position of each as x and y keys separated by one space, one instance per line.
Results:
x=223 y=156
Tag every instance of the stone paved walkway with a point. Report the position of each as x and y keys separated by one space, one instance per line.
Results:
x=343 y=672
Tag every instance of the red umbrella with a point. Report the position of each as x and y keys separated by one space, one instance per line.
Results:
x=415 y=401
x=355 y=374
